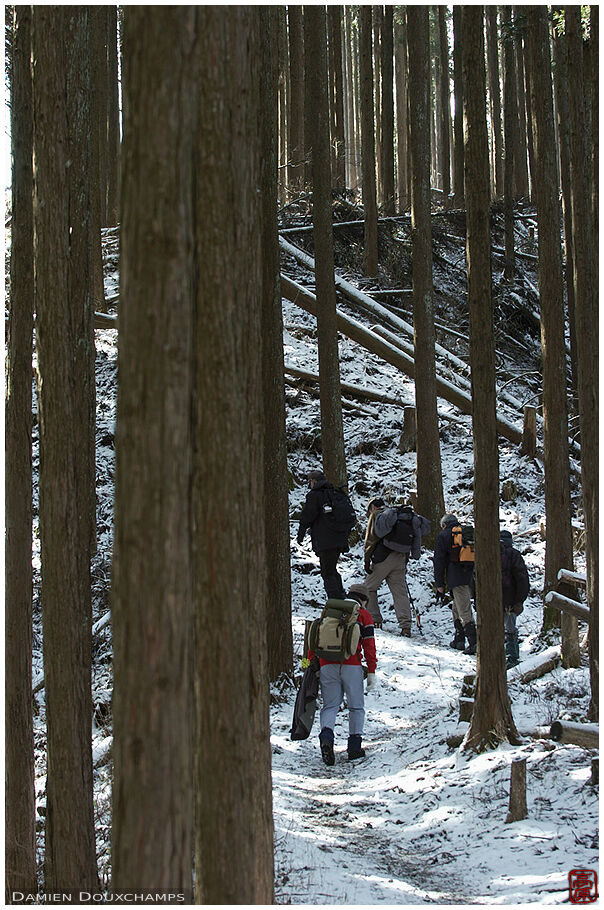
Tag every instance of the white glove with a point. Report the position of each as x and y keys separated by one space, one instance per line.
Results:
x=370 y=681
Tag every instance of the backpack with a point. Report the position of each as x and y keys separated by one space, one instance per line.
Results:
x=306 y=703
x=338 y=511
x=462 y=544
x=336 y=634
x=402 y=533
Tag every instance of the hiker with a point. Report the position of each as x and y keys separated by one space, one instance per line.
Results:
x=515 y=586
x=459 y=578
x=328 y=531
x=392 y=537
x=339 y=678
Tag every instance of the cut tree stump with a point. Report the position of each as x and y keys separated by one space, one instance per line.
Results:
x=517 y=809
x=595 y=771
x=408 y=440
x=529 y=432
x=466 y=707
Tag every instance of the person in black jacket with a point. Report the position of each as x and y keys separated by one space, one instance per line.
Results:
x=326 y=542
x=458 y=576
x=515 y=587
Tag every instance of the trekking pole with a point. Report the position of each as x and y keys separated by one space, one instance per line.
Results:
x=415 y=611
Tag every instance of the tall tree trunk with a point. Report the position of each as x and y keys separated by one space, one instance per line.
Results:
x=561 y=89
x=152 y=574
x=387 y=56
x=96 y=20
x=276 y=506
x=495 y=95
x=332 y=431
x=350 y=95
x=234 y=824
x=296 y=111
x=113 y=121
x=529 y=120
x=377 y=17
x=283 y=103
x=559 y=543
x=356 y=63
x=20 y=855
x=445 y=106
x=400 y=57
x=510 y=130
x=586 y=324
x=65 y=345
x=429 y=471
x=337 y=95
x=492 y=720
x=594 y=28
x=370 y=251
x=458 y=173
x=522 y=180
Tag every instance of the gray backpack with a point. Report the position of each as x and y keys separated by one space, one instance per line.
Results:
x=336 y=634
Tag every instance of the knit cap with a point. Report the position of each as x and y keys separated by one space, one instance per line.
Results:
x=360 y=590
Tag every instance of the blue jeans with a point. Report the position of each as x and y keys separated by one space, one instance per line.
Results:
x=338 y=680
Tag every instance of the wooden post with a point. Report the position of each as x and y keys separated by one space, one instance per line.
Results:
x=408 y=440
x=517 y=809
x=595 y=771
x=529 y=432
x=466 y=707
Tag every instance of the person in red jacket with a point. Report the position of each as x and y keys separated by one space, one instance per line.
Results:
x=339 y=679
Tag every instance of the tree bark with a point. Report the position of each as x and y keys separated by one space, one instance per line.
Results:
x=458 y=172
x=429 y=470
x=510 y=130
x=113 y=121
x=234 y=824
x=400 y=57
x=350 y=95
x=387 y=148
x=296 y=111
x=521 y=169
x=276 y=505
x=370 y=250
x=20 y=856
x=332 y=430
x=97 y=211
x=65 y=346
x=559 y=542
x=152 y=838
x=586 y=325
x=492 y=720
x=377 y=13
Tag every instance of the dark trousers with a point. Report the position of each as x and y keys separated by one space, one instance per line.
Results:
x=328 y=560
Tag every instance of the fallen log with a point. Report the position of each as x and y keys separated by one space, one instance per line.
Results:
x=361 y=410
x=567 y=605
x=104 y=321
x=372 y=342
x=534 y=667
x=572 y=578
x=359 y=391
x=566 y=732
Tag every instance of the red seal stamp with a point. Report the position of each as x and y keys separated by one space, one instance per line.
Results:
x=582 y=886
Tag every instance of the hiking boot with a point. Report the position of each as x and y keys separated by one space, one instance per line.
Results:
x=406 y=633
x=377 y=625
x=470 y=633
x=326 y=742
x=354 y=747
x=459 y=642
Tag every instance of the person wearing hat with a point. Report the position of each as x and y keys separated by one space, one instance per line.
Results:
x=515 y=589
x=346 y=679
x=459 y=578
x=386 y=560
x=327 y=542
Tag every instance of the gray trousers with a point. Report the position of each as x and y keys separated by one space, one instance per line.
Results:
x=337 y=681
x=462 y=596
x=393 y=571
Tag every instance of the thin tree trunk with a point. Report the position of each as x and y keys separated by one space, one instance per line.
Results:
x=387 y=58
x=276 y=506
x=445 y=107
x=586 y=324
x=510 y=129
x=113 y=121
x=401 y=114
x=594 y=28
x=522 y=181
x=370 y=251
x=377 y=17
x=429 y=471
x=283 y=104
x=152 y=835
x=234 y=824
x=332 y=431
x=65 y=345
x=20 y=855
x=296 y=111
x=96 y=210
x=337 y=95
x=350 y=95
x=458 y=174
x=559 y=544
x=495 y=95
x=492 y=720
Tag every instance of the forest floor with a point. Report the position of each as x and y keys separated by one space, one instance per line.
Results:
x=416 y=821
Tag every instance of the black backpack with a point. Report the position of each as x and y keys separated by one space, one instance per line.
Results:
x=402 y=532
x=338 y=511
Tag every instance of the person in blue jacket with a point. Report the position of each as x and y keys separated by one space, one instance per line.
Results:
x=458 y=577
